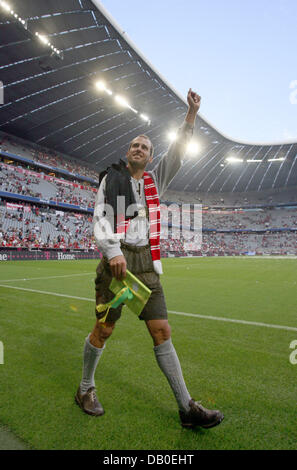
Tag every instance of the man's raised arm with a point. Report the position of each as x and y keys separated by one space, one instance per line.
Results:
x=170 y=163
x=194 y=102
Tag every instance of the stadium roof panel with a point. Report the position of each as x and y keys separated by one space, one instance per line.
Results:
x=50 y=99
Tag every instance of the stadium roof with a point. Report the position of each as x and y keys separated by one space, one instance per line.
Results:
x=50 y=98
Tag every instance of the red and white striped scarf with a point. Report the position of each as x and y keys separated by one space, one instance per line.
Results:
x=153 y=204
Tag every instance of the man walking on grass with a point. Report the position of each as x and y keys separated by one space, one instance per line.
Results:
x=138 y=250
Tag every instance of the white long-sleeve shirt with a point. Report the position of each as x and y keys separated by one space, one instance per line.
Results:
x=137 y=233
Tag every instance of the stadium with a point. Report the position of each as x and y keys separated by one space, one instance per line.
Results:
x=76 y=91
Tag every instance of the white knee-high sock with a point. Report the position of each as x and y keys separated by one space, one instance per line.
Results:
x=91 y=358
x=169 y=364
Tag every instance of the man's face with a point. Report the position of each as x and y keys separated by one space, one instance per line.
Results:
x=139 y=153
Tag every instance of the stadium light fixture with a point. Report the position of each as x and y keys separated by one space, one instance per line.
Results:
x=5 y=6
x=172 y=136
x=9 y=10
x=193 y=148
x=234 y=160
x=100 y=85
x=254 y=161
x=45 y=40
x=122 y=101
x=276 y=159
x=145 y=118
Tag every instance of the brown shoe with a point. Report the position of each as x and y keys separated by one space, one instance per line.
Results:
x=88 y=402
x=200 y=416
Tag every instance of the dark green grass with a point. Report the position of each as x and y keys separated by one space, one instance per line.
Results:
x=244 y=370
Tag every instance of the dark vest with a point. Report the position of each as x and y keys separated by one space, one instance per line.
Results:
x=118 y=183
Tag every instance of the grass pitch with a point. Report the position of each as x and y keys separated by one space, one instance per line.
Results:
x=242 y=368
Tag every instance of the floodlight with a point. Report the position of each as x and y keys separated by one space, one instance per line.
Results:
x=234 y=160
x=122 y=101
x=276 y=159
x=43 y=39
x=193 y=148
x=145 y=117
x=5 y=6
x=172 y=136
x=100 y=85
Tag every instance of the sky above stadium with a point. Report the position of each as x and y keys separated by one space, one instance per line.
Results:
x=239 y=55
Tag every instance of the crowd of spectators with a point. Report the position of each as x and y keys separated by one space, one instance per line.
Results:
x=225 y=219
x=67 y=195
x=267 y=197
x=268 y=219
x=27 y=184
x=43 y=227
x=47 y=157
x=250 y=243
x=38 y=226
x=19 y=184
x=54 y=160
x=33 y=227
x=234 y=243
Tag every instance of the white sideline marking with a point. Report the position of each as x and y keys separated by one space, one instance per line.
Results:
x=195 y=315
x=188 y=258
x=244 y=322
x=40 y=278
x=47 y=293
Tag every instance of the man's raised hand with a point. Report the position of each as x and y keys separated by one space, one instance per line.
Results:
x=194 y=100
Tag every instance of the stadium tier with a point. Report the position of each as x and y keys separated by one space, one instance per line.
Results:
x=50 y=207
x=61 y=218
x=60 y=127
